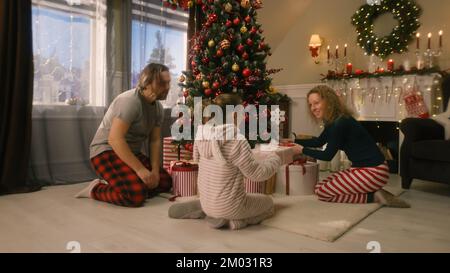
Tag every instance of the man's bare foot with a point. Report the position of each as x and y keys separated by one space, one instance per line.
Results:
x=389 y=200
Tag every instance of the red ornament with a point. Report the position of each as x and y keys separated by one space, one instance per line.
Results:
x=249 y=42
x=193 y=64
x=213 y=17
x=199 y=2
x=245 y=56
x=228 y=23
x=262 y=46
x=235 y=81
x=248 y=19
x=358 y=71
x=186 y=94
x=240 y=48
x=205 y=8
x=205 y=60
x=236 y=21
x=216 y=85
x=246 y=72
x=219 y=53
x=253 y=30
x=208 y=92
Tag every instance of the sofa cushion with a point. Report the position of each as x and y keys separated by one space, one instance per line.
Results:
x=437 y=150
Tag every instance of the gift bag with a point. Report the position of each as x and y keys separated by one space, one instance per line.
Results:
x=297 y=178
x=171 y=153
x=184 y=178
x=415 y=105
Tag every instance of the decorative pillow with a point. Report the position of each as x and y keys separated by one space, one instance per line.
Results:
x=444 y=120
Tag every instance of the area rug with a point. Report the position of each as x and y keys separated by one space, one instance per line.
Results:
x=310 y=217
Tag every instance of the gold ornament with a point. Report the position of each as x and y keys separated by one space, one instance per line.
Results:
x=205 y=84
x=211 y=43
x=245 y=4
x=225 y=44
x=272 y=90
x=235 y=67
x=182 y=78
x=228 y=7
x=243 y=29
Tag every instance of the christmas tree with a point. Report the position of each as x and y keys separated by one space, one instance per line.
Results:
x=228 y=54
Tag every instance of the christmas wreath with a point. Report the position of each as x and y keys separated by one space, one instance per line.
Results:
x=406 y=12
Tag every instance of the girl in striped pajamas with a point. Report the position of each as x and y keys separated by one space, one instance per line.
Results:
x=223 y=163
x=364 y=181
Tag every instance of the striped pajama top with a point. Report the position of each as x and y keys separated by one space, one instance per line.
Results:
x=222 y=166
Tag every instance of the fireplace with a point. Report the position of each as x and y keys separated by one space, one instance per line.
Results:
x=386 y=134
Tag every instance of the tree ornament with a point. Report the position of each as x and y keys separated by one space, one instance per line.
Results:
x=407 y=14
x=243 y=29
x=236 y=21
x=216 y=85
x=228 y=7
x=246 y=72
x=249 y=42
x=253 y=30
x=245 y=56
x=240 y=48
x=248 y=19
x=182 y=78
x=245 y=4
x=257 y=4
x=205 y=84
x=208 y=92
x=211 y=43
x=228 y=23
x=219 y=53
x=225 y=44
x=235 y=67
x=186 y=94
x=205 y=60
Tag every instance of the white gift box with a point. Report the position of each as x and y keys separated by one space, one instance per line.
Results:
x=298 y=180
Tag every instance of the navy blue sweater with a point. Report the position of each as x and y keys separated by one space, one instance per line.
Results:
x=348 y=135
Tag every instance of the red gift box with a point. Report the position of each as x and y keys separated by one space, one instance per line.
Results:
x=170 y=153
x=184 y=178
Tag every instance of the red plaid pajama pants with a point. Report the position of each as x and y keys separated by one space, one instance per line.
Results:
x=353 y=185
x=124 y=187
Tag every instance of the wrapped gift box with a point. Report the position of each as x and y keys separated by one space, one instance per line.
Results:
x=170 y=153
x=298 y=178
x=184 y=178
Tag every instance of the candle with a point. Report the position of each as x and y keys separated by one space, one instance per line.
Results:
x=349 y=68
x=337 y=52
x=390 y=65
x=429 y=40
x=345 y=50
x=418 y=40
x=328 y=52
x=440 y=38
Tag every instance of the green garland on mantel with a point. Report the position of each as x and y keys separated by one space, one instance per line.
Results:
x=396 y=73
x=406 y=12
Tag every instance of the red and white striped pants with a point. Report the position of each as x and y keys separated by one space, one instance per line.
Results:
x=353 y=185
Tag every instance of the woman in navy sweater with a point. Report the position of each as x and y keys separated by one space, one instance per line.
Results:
x=363 y=182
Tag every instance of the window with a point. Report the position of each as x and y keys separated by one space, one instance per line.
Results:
x=69 y=38
x=159 y=35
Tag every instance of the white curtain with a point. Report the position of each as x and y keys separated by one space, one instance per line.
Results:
x=69 y=48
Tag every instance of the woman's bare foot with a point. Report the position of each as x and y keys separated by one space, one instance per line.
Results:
x=389 y=200
x=86 y=192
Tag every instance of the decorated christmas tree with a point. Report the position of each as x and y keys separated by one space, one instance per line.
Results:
x=228 y=54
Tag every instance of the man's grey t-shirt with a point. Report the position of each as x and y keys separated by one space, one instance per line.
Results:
x=132 y=108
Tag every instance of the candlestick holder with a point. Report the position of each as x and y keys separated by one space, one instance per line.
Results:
x=431 y=57
x=336 y=64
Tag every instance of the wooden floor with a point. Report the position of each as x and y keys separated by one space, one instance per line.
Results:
x=48 y=220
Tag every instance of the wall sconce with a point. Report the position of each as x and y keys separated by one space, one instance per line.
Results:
x=314 y=46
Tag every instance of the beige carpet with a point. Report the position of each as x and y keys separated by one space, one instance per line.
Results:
x=320 y=220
